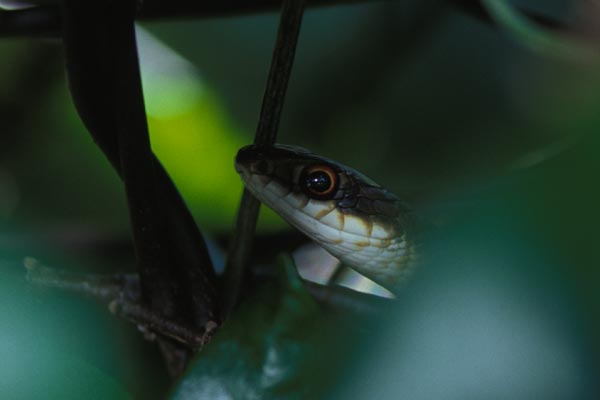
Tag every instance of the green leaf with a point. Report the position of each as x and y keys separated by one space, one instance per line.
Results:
x=266 y=350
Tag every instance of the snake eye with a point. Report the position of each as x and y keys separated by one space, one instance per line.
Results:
x=319 y=181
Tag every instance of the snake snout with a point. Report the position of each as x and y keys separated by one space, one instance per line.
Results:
x=245 y=156
x=251 y=160
x=244 y=160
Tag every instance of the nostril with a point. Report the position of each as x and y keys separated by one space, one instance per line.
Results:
x=240 y=169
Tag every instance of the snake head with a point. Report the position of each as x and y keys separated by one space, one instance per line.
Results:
x=349 y=214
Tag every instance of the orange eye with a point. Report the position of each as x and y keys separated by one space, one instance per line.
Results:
x=319 y=181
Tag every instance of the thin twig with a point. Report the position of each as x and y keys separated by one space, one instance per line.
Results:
x=100 y=287
x=266 y=133
x=279 y=74
x=341 y=298
x=122 y=294
x=239 y=250
x=151 y=324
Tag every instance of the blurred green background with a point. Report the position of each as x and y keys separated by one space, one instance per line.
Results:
x=486 y=135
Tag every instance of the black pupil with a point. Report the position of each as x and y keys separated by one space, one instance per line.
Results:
x=318 y=181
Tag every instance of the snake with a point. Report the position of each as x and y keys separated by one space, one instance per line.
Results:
x=360 y=222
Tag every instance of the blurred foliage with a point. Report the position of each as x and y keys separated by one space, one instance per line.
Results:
x=264 y=351
x=47 y=347
x=497 y=143
x=506 y=305
x=536 y=38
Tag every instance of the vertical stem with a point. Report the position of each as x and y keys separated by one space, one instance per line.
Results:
x=266 y=134
x=279 y=74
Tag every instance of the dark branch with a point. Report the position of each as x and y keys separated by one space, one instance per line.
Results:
x=36 y=21
x=148 y=220
x=45 y=20
x=177 y=278
x=92 y=71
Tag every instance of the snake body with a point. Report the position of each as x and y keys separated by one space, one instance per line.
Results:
x=358 y=221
